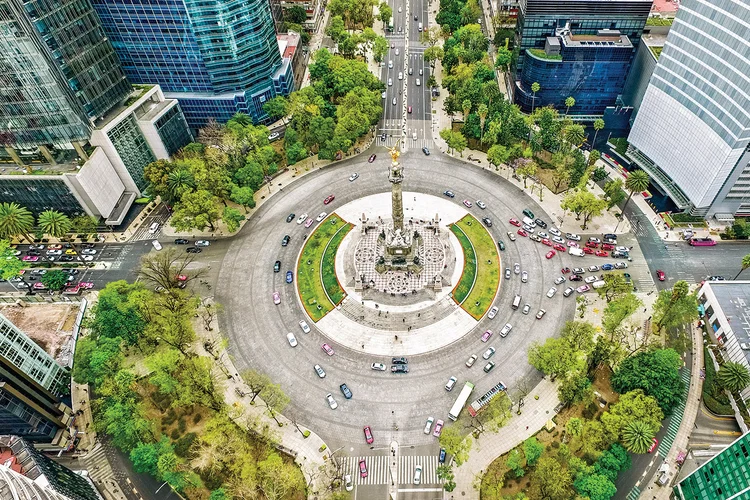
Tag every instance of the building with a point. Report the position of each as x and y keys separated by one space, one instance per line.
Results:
x=692 y=131
x=216 y=61
x=313 y=8
x=291 y=50
x=32 y=384
x=726 y=475
x=643 y=67
x=27 y=474
x=104 y=177
x=590 y=68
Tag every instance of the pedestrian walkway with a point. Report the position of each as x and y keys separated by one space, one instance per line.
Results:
x=378 y=469
x=676 y=418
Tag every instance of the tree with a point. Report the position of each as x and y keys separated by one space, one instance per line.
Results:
x=430 y=36
x=575 y=389
x=636 y=182
x=55 y=279
x=594 y=487
x=614 y=193
x=455 y=444
x=278 y=107
x=179 y=182
x=551 y=480
x=637 y=436
x=432 y=54
x=493 y=417
x=615 y=286
x=633 y=405
x=733 y=377
x=466 y=107
x=655 y=372
x=616 y=312
x=528 y=169
x=560 y=176
x=275 y=400
x=164 y=269
x=232 y=218
x=533 y=449
x=594 y=156
x=598 y=125
x=583 y=203
x=676 y=307
x=54 y=223
x=482 y=111
x=745 y=264
x=454 y=140
x=504 y=56
x=10 y=265
x=256 y=381
x=196 y=210
x=384 y=13
x=497 y=155
x=379 y=49
x=15 y=220
x=295 y=14
x=535 y=87
x=243 y=196
x=574 y=427
x=84 y=224
x=574 y=134
x=514 y=462
x=278 y=479
x=569 y=103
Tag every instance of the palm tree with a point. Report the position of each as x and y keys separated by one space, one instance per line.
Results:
x=637 y=436
x=534 y=88
x=733 y=376
x=569 y=103
x=637 y=181
x=482 y=111
x=466 y=108
x=745 y=264
x=598 y=125
x=179 y=182
x=54 y=223
x=15 y=220
x=575 y=134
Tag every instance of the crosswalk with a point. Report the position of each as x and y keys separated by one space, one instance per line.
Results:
x=676 y=419
x=634 y=493
x=378 y=469
x=98 y=464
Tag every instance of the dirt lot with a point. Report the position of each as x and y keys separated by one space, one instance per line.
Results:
x=49 y=325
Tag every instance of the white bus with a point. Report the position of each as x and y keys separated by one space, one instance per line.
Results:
x=463 y=397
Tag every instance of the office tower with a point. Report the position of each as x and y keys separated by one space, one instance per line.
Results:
x=723 y=476
x=27 y=474
x=217 y=58
x=692 y=130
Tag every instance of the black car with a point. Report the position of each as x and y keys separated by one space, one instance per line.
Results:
x=449 y=194
x=426 y=151
x=277 y=266
x=73 y=272
x=181 y=241
x=487 y=221
x=441 y=458
x=193 y=250
x=290 y=217
x=372 y=158
x=285 y=241
x=575 y=277
x=66 y=258
x=345 y=390
x=541 y=223
x=382 y=137
x=399 y=369
x=87 y=245
x=399 y=361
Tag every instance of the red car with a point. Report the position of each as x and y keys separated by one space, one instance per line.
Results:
x=565 y=270
x=515 y=222
x=328 y=349
x=588 y=251
x=329 y=199
x=522 y=232
x=608 y=247
x=547 y=242
x=660 y=274
x=550 y=254
x=368 y=435
x=362 y=468
x=592 y=244
x=559 y=247
x=602 y=253
x=653 y=445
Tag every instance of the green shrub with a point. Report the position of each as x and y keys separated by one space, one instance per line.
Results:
x=182 y=425
x=182 y=446
x=686 y=218
x=197 y=418
x=175 y=435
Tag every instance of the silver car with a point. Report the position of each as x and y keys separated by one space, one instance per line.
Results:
x=504 y=332
x=557 y=239
x=489 y=353
x=320 y=371
x=555 y=231
x=526 y=309
x=528 y=228
x=524 y=277
x=331 y=402
x=303 y=325
x=517 y=268
x=551 y=292
x=493 y=312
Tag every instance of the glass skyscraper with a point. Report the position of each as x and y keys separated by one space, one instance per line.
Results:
x=58 y=72
x=692 y=131
x=217 y=57
x=726 y=475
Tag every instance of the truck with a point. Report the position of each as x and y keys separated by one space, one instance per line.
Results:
x=461 y=400
x=576 y=251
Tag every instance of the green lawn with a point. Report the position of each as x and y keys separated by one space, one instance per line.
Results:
x=481 y=275
x=311 y=286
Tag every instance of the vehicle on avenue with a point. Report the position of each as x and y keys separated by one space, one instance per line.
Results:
x=471 y=360
x=489 y=366
x=541 y=314
x=545 y=241
x=467 y=203
x=428 y=425
x=528 y=213
x=301 y=218
x=368 y=435
x=493 y=312
x=501 y=245
x=521 y=232
x=515 y=222
x=568 y=291
x=329 y=199
x=481 y=204
x=488 y=353
x=583 y=288
x=399 y=361
x=285 y=240
x=565 y=270
x=291 y=339
x=438 y=428
x=506 y=330
x=290 y=218
x=701 y=242
x=654 y=444
x=527 y=228
x=309 y=222
x=592 y=244
x=372 y=158
x=588 y=250
x=193 y=250
x=331 y=402
x=30 y=258
x=535 y=237
x=511 y=236
x=507 y=273
x=378 y=367
x=450 y=384
x=321 y=216
x=304 y=326
x=593 y=269
x=345 y=391
x=348 y=485
x=591 y=279
x=54 y=252
x=540 y=223
x=661 y=275
x=362 y=468
x=524 y=277
x=554 y=231
x=355 y=175
x=572 y=244
x=399 y=369
x=202 y=243
x=572 y=236
x=426 y=151
x=289 y=276
x=594 y=239
x=559 y=280
x=607 y=267
x=559 y=247
x=393 y=101
x=607 y=247
x=602 y=253
x=320 y=371
x=487 y=221
x=621 y=265
x=441 y=457
x=486 y=335
x=276 y=298
x=408 y=109
x=70 y=251
x=517 y=268
x=550 y=254
x=579 y=270
x=178 y=241
x=273 y=136
x=551 y=292
x=543 y=235
x=557 y=239
x=327 y=349
x=449 y=193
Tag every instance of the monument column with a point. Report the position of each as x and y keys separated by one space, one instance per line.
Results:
x=396 y=177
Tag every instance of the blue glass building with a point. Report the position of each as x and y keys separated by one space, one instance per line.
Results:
x=590 y=68
x=217 y=57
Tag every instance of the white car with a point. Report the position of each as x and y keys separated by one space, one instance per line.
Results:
x=393 y=101
x=517 y=268
x=202 y=243
x=390 y=82
x=542 y=234
x=418 y=475
x=505 y=331
x=390 y=64
x=451 y=383
x=378 y=366
x=383 y=95
x=331 y=402
x=591 y=279
x=54 y=252
x=88 y=251
x=524 y=277
x=418 y=82
x=303 y=325
x=559 y=280
x=488 y=353
x=555 y=231
x=528 y=228
x=274 y=136
x=302 y=218
x=353 y=176
x=320 y=371
x=481 y=204
x=428 y=425
x=557 y=239
x=470 y=361
x=511 y=236
x=348 y=482
x=400 y=73
x=493 y=312
x=321 y=216
x=292 y=339
x=551 y=292
x=593 y=239
x=87 y=258
x=573 y=236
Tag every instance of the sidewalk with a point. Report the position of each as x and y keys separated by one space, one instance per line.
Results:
x=489 y=446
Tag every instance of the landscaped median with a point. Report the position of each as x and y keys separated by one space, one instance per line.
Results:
x=317 y=284
x=477 y=287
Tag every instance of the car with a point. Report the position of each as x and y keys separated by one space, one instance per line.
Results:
x=559 y=247
x=528 y=213
x=583 y=288
x=578 y=270
x=450 y=384
x=345 y=391
x=501 y=245
x=622 y=249
x=372 y=158
x=193 y=250
x=588 y=251
x=30 y=258
x=428 y=425
x=384 y=95
x=39 y=286
x=418 y=474
x=506 y=330
x=521 y=232
x=70 y=258
x=607 y=267
x=331 y=402
x=408 y=109
x=399 y=361
x=88 y=258
x=565 y=270
x=178 y=241
x=328 y=349
x=321 y=216
x=289 y=276
x=554 y=231
x=70 y=251
x=449 y=193
x=575 y=277
x=601 y=253
x=301 y=218
x=511 y=236
x=378 y=367
x=540 y=314
x=624 y=255
x=320 y=371
x=572 y=244
x=544 y=235
x=291 y=339
x=507 y=273
x=57 y=246
x=329 y=199
x=515 y=222
x=528 y=228
x=535 y=237
x=627 y=277
x=368 y=435
x=540 y=223
x=486 y=335
x=550 y=254
x=551 y=292
x=608 y=247
x=524 y=277
x=654 y=444
x=661 y=275
x=420 y=71
x=517 y=268
x=393 y=101
x=426 y=151
x=418 y=82
x=559 y=280
x=467 y=203
x=348 y=482
x=34 y=253
x=285 y=240
x=592 y=244
x=716 y=278
x=572 y=236
x=290 y=218
x=591 y=279
x=273 y=136
x=399 y=369
x=568 y=291
x=489 y=366
x=471 y=360
x=276 y=298
x=593 y=269
x=481 y=204
x=309 y=222
x=362 y=468
x=557 y=239
x=438 y=429
x=487 y=221
x=441 y=456
x=545 y=241
x=493 y=311
x=354 y=176
x=621 y=265
x=304 y=326
x=202 y=243
x=488 y=353
x=153 y=229
x=54 y=252
x=594 y=239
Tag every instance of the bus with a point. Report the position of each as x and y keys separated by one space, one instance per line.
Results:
x=463 y=397
x=390 y=24
x=702 y=242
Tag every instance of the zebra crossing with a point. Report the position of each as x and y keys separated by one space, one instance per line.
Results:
x=378 y=469
x=634 y=493
x=98 y=465
x=676 y=419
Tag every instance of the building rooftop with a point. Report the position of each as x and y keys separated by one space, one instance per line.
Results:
x=138 y=92
x=39 y=168
x=734 y=299
x=665 y=6
x=607 y=39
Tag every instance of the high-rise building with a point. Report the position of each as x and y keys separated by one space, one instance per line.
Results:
x=723 y=476
x=217 y=58
x=692 y=131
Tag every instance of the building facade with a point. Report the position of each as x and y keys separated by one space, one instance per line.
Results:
x=217 y=60
x=726 y=475
x=590 y=68
x=643 y=67
x=313 y=9
x=692 y=131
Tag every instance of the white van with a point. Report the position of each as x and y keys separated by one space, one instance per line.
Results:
x=516 y=302
x=598 y=284
x=576 y=251
x=529 y=222
x=154 y=228
x=420 y=26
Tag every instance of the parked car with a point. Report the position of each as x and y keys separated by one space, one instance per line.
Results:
x=471 y=360
x=583 y=288
x=572 y=236
x=378 y=367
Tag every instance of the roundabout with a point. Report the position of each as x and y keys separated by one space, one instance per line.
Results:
x=400 y=311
